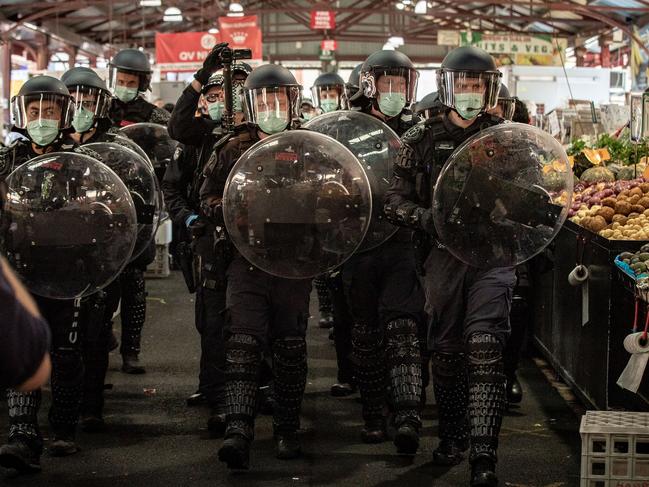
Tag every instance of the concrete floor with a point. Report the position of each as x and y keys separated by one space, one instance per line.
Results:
x=155 y=440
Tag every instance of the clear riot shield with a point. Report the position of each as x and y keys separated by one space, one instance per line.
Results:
x=128 y=143
x=492 y=206
x=375 y=145
x=139 y=178
x=68 y=226
x=154 y=141
x=297 y=204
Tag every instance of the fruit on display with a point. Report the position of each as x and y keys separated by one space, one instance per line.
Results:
x=597 y=174
x=636 y=262
x=615 y=210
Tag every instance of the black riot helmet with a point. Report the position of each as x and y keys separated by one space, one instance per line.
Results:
x=328 y=92
x=240 y=72
x=429 y=106
x=42 y=109
x=506 y=104
x=468 y=81
x=272 y=98
x=131 y=61
x=352 y=87
x=91 y=97
x=215 y=80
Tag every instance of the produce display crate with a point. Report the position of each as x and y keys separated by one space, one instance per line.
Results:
x=589 y=358
x=160 y=265
x=614 y=449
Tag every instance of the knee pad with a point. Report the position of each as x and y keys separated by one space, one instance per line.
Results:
x=289 y=352
x=402 y=340
x=242 y=349
x=447 y=367
x=366 y=340
x=484 y=349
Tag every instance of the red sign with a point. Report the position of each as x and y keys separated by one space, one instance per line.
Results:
x=323 y=19
x=241 y=33
x=183 y=51
x=328 y=45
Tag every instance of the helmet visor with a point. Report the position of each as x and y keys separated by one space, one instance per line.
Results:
x=472 y=91
x=128 y=79
x=42 y=106
x=390 y=81
x=506 y=107
x=263 y=105
x=329 y=97
x=93 y=100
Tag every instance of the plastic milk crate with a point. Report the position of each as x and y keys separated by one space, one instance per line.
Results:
x=614 y=449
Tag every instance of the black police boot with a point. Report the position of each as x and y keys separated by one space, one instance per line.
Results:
x=63 y=446
x=514 y=390
x=483 y=472
x=404 y=366
x=131 y=364
x=326 y=319
x=243 y=359
x=368 y=358
x=290 y=370
x=342 y=389
x=18 y=455
x=486 y=405
x=451 y=395
x=25 y=446
x=450 y=452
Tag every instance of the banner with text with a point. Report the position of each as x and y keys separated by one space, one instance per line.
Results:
x=242 y=33
x=527 y=50
x=183 y=51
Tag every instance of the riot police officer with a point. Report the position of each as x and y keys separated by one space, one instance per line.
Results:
x=260 y=307
x=356 y=102
x=468 y=307
x=43 y=112
x=506 y=104
x=307 y=110
x=382 y=286
x=328 y=92
x=181 y=186
x=91 y=124
x=129 y=77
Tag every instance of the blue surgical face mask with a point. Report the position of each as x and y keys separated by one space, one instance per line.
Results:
x=215 y=110
x=469 y=105
x=43 y=131
x=125 y=94
x=83 y=120
x=270 y=123
x=391 y=104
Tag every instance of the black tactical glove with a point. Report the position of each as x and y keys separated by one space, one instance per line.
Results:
x=211 y=64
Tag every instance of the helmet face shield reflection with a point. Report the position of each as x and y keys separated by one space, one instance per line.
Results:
x=272 y=109
x=469 y=93
x=390 y=81
x=42 y=106
x=507 y=106
x=91 y=99
x=329 y=97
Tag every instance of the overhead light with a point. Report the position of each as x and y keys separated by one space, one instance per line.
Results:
x=400 y=6
x=421 y=7
x=388 y=47
x=213 y=30
x=173 y=14
x=396 y=41
x=150 y=3
x=235 y=10
x=406 y=2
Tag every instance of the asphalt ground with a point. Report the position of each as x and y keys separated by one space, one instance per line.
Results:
x=154 y=439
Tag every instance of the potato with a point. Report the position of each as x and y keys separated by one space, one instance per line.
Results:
x=597 y=224
x=634 y=215
x=606 y=233
x=644 y=187
x=610 y=202
x=644 y=201
x=624 y=193
x=634 y=199
x=607 y=213
x=622 y=207
x=635 y=191
x=619 y=219
x=637 y=209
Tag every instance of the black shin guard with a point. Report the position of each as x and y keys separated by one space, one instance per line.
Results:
x=404 y=366
x=451 y=395
x=324 y=297
x=133 y=309
x=23 y=418
x=290 y=370
x=67 y=392
x=243 y=359
x=486 y=394
x=368 y=358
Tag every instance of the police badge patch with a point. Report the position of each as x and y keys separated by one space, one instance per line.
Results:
x=414 y=134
